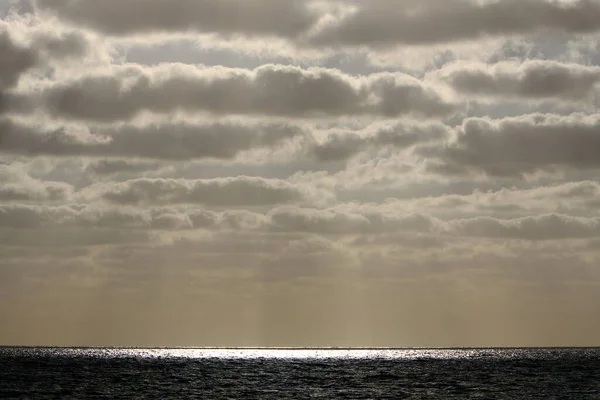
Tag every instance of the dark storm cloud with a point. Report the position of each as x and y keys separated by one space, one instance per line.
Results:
x=537 y=79
x=121 y=93
x=513 y=146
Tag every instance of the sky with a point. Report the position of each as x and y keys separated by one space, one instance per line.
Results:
x=300 y=173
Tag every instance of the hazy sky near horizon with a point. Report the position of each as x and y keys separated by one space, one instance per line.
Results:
x=300 y=173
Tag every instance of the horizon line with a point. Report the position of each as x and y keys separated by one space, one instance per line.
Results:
x=298 y=348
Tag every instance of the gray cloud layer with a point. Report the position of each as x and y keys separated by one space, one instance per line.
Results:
x=372 y=22
x=221 y=192
x=257 y=192
x=16 y=186
x=534 y=79
x=250 y=17
x=40 y=46
x=220 y=140
x=340 y=221
x=39 y=49
x=513 y=146
x=274 y=90
x=336 y=222
x=342 y=146
x=15 y=61
x=167 y=141
x=382 y=22
x=130 y=220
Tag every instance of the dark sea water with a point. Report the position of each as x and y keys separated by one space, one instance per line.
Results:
x=104 y=373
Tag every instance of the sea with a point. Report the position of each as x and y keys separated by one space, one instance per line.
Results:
x=331 y=373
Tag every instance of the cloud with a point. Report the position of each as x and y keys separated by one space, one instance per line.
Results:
x=381 y=23
x=317 y=221
x=572 y=198
x=19 y=138
x=525 y=144
x=50 y=192
x=533 y=79
x=180 y=140
x=374 y=23
x=78 y=216
x=30 y=49
x=110 y=167
x=342 y=145
x=17 y=186
x=24 y=216
x=352 y=221
x=175 y=140
x=123 y=92
x=262 y=178
x=15 y=7
x=361 y=220
x=61 y=45
x=27 y=44
x=543 y=227
x=89 y=225
x=227 y=17
x=45 y=228
x=15 y=61
x=349 y=220
x=221 y=192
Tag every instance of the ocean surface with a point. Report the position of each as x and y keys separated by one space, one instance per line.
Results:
x=106 y=373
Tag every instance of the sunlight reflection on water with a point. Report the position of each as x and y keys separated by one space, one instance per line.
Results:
x=215 y=373
x=297 y=353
